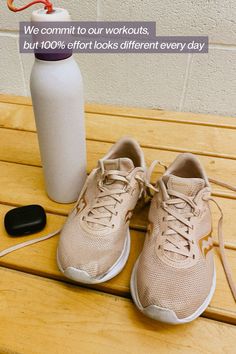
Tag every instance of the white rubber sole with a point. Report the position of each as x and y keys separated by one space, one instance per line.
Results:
x=163 y=314
x=83 y=277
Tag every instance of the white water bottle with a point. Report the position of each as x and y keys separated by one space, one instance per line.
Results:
x=57 y=95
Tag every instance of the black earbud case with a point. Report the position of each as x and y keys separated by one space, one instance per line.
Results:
x=25 y=220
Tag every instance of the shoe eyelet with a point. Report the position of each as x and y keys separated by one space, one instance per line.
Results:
x=113 y=225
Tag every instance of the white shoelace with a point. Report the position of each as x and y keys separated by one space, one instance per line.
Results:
x=184 y=247
x=169 y=243
x=108 y=198
x=28 y=243
x=180 y=247
x=146 y=184
x=227 y=268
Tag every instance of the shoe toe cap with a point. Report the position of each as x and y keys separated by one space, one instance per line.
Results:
x=161 y=314
x=79 y=275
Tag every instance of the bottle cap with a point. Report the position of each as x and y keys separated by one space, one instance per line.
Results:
x=58 y=14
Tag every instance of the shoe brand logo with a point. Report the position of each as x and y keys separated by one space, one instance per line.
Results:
x=206 y=244
x=81 y=204
x=128 y=215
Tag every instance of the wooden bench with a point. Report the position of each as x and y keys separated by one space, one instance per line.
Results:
x=41 y=311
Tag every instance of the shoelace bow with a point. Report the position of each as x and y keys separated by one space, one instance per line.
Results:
x=109 y=198
x=145 y=183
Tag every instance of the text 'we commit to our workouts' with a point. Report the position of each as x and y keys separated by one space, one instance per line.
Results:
x=104 y=37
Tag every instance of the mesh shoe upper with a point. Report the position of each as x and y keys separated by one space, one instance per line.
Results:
x=175 y=269
x=94 y=234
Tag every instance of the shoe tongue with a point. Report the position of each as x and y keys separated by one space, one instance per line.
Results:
x=121 y=164
x=189 y=187
x=186 y=186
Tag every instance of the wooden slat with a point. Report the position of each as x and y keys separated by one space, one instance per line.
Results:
x=17 y=117
x=16 y=99
x=22 y=185
x=44 y=316
x=143 y=113
x=26 y=151
x=166 y=135
x=41 y=259
x=162 y=115
x=19 y=146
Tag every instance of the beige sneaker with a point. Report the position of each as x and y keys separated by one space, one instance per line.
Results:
x=95 y=241
x=174 y=279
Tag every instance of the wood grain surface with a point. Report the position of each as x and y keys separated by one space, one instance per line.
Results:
x=43 y=315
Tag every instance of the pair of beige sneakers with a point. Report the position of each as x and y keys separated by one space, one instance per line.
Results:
x=174 y=278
